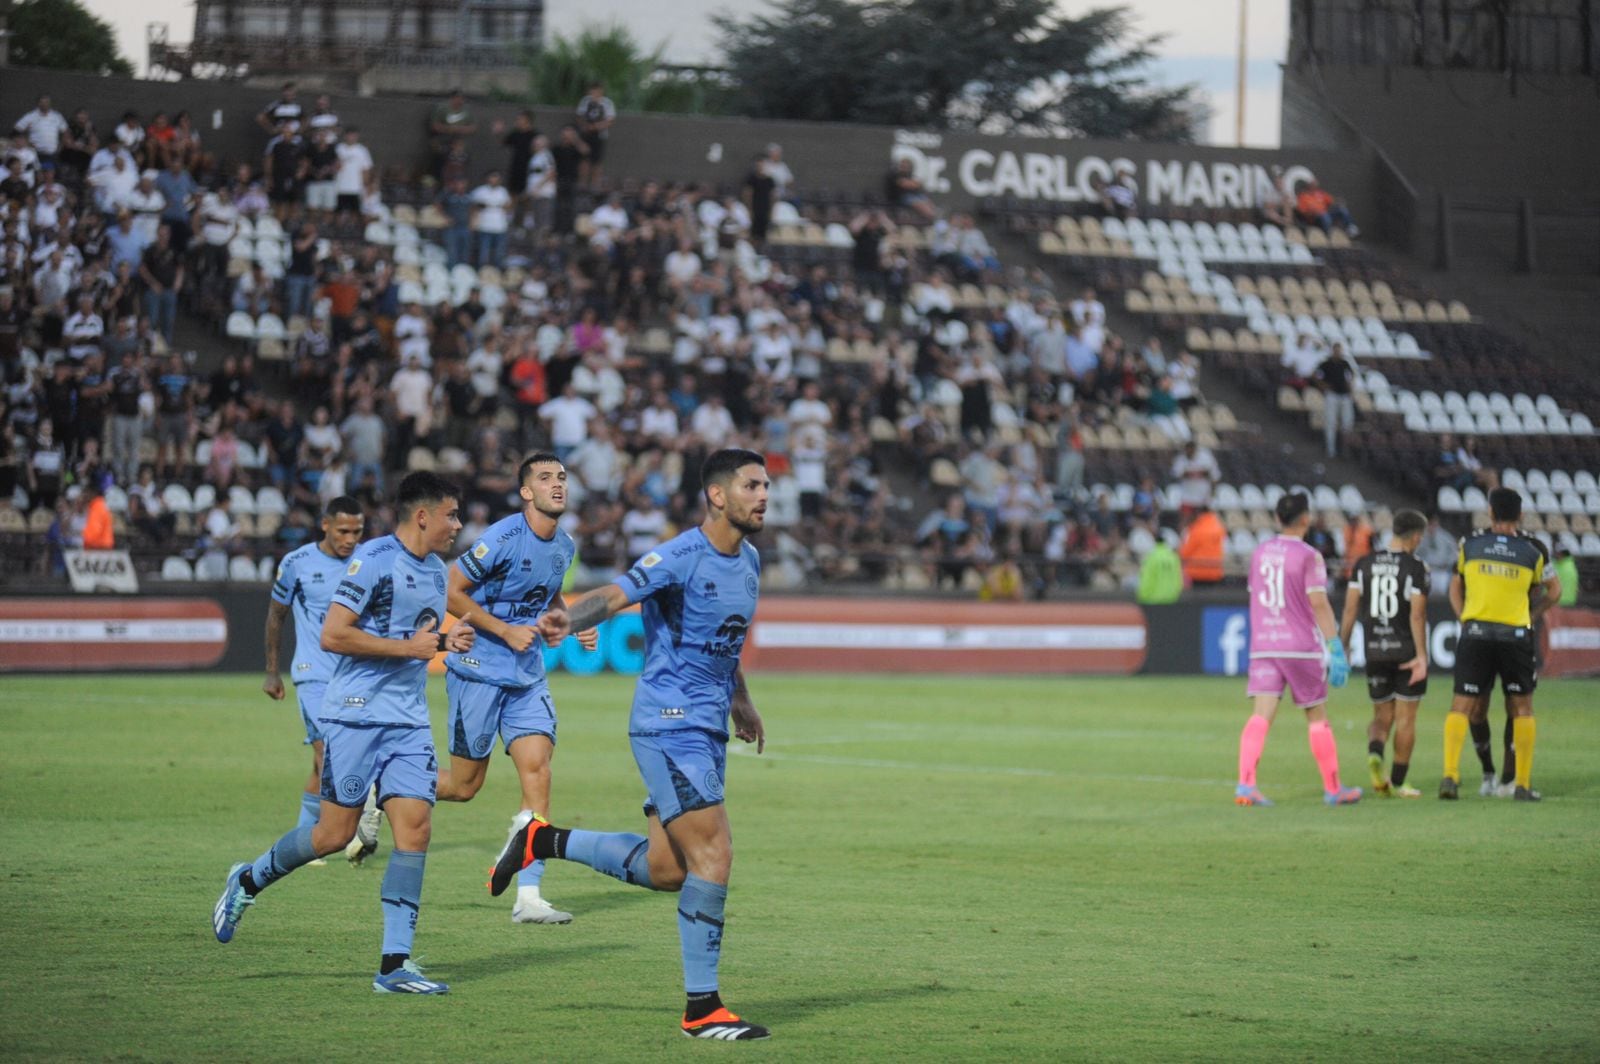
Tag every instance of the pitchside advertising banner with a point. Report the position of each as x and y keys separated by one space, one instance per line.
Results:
x=1569 y=640
x=812 y=634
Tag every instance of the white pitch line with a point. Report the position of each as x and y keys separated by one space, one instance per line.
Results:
x=971 y=770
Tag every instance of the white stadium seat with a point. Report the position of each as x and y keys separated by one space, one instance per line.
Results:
x=242 y=570
x=176 y=568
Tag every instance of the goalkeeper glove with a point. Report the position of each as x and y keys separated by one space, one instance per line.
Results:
x=1338 y=664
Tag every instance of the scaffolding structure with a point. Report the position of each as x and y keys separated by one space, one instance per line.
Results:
x=352 y=36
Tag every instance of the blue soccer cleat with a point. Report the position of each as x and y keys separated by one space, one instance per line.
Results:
x=1342 y=796
x=231 y=906
x=407 y=979
x=1249 y=794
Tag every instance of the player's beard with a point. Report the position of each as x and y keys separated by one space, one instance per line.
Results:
x=749 y=524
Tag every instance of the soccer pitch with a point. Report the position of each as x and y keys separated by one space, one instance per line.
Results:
x=933 y=868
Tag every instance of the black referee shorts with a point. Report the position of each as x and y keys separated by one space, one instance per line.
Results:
x=1483 y=655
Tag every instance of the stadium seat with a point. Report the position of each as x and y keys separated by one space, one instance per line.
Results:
x=1537 y=481
x=270 y=327
x=267 y=569
x=212 y=566
x=1512 y=478
x=205 y=496
x=1449 y=500
x=241 y=326
x=242 y=570
x=1560 y=480
x=176 y=568
x=1589 y=545
x=1473 y=499
x=176 y=497
x=1584 y=481
x=243 y=502
x=269 y=500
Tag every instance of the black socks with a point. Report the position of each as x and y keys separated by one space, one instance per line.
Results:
x=700 y=1006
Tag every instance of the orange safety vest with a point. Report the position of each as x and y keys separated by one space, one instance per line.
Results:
x=1202 y=549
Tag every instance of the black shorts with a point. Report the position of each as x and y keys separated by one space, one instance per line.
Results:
x=1386 y=681
x=348 y=202
x=1481 y=657
x=597 y=147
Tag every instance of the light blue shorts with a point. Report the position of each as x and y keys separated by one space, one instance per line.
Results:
x=682 y=770
x=480 y=710
x=399 y=759
x=309 y=696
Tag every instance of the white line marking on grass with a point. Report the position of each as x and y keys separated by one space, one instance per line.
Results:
x=973 y=770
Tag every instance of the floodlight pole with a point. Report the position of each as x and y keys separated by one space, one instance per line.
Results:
x=1238 y=110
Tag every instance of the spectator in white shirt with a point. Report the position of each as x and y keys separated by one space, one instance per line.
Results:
x=1196 y=472
x=778 y=170
x=682 y=266
x=659 y=421
x=412 y=389
x=413 y=335
x=1301 y=357
x=354 y=175
x=540 y=184
x=1090 y=314
x=712 y=422
x=83 y=330
x=112 y=183
x=44 y=126
x=146 y=203
x=809 y=409
x=597 y=462
x=610 y=220
x=568 y=416
x=491 y=219
x=808 y=456
x=643 y=526
x=772 y=352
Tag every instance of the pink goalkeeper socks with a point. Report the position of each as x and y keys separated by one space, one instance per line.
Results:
x=1326 y=751
x=1251 y=742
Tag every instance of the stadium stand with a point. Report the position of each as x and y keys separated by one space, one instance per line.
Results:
x=933 y=403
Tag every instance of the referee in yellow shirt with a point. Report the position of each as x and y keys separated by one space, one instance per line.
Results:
x=1497 y=573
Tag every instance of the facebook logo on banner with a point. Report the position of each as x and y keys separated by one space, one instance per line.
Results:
x=1225 y=640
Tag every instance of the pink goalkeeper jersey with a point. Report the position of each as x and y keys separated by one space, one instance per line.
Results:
x=1282 y=571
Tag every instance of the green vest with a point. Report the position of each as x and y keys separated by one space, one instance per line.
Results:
x=1160 y=576
x=1567 y=570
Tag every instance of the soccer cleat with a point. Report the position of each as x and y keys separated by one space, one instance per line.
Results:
x=1489 y=785
x=531 y=908
x=1375 y=773
x=1505 y=790
x=1401 y=790
x=1342 y=796
x=1449 y=789
x=724 y=1026
x=230 y=907
x=407 y=979
x=365 y=844
x=516 y=855
x=316 y=862
x=1526 y=794
x=1250 y=794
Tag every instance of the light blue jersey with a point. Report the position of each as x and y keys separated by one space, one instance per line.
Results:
x=393 y=593
x=697 y=606
x=517 y=575
x=306 y=579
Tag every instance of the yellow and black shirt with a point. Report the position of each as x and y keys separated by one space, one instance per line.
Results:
x=1499 y=572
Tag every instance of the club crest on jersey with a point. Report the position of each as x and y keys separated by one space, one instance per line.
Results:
x=751 y=584
x=649 y=559
x=354 y=568
x=438 y=582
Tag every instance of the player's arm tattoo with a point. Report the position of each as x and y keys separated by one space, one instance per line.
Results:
x=276 y=612
x=596 y=607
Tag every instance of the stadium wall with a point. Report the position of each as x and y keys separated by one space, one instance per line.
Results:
x=224 y=630
x=959 y=169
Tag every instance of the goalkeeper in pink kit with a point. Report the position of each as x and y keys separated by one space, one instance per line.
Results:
x=1294 y=643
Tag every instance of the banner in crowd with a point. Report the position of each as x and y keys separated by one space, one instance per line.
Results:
x=97 y=571
x=85 y=635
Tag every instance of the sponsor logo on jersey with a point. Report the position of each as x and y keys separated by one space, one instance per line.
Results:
x=354 y=700
x=672 y=713
x=471 y=663
x=729 y=639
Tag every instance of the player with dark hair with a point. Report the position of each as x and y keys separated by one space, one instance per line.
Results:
x=697 y=594
x=1294 y=642
x=306 y=579
x=501 y=586
x=1498 y=571
x=1388 y=593
x=383 y=626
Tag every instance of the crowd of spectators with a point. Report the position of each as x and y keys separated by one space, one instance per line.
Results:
x=631 y=326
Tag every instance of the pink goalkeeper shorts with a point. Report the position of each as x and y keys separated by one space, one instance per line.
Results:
x=1307 y=679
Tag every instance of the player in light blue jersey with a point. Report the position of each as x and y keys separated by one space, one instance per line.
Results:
x=382 y=626
x=306 y=579
x=502 y=584
x=698 y=596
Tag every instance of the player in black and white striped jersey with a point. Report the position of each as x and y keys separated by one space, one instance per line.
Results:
x=1388 y=594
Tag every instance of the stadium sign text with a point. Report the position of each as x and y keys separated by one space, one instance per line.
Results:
x=1059 y=178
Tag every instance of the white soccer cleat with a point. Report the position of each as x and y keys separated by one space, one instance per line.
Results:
x=1489 y=786
x=531 y=908
x=365 y=844
x=1505 y=790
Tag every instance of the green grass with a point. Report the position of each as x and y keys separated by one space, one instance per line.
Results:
x=927 y=868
